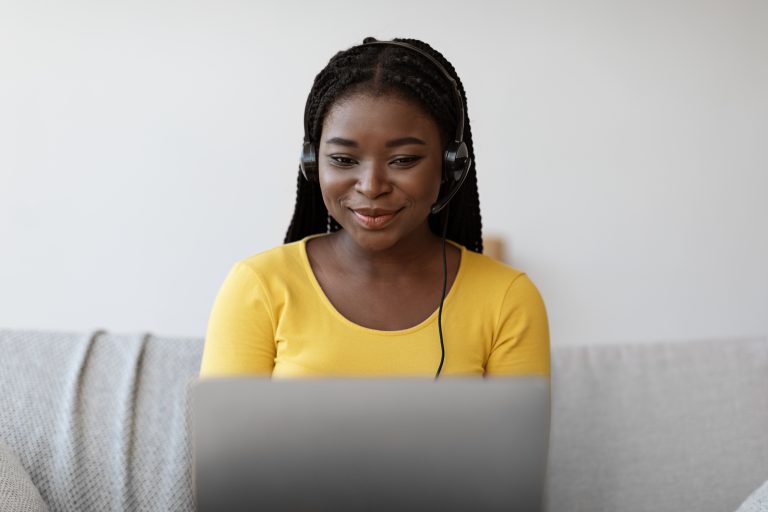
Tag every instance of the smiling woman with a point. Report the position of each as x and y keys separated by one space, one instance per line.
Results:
x=375 y=277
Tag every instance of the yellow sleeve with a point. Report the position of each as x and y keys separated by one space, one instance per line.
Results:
x=521 y=344
x=240 y=336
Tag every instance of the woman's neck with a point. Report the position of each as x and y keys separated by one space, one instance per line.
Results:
x=412 y=255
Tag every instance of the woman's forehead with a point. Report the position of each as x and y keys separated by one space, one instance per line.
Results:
x=371 y=116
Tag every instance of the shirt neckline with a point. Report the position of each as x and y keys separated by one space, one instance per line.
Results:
x=329 y=305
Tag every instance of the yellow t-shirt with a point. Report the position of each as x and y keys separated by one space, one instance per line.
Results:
x=271 y=317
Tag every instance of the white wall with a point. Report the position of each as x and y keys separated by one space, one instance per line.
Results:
x=622 y=149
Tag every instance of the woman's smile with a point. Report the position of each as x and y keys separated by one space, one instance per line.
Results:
x=375 y=218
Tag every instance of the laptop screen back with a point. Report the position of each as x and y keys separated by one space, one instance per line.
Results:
x=371 y=444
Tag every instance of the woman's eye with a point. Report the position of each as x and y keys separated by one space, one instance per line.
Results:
x=406 y=161
x=342 y=161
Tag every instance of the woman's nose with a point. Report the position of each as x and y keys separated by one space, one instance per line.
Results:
x=373 y=180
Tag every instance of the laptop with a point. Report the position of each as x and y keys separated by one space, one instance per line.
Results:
x=371 y=444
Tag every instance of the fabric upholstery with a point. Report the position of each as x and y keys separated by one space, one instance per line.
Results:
x=100 y=420
x=17 y=492
x=658 y=427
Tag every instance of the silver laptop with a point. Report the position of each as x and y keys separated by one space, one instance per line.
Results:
x=395 y=444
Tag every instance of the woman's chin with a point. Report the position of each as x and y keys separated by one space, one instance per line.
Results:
x=373 y=240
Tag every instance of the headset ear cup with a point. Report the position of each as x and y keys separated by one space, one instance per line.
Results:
x=456 y=162
x=308 y=162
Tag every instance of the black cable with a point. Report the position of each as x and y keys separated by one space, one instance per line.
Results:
x=442 y=297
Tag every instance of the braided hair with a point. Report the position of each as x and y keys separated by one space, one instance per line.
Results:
x=384 y=70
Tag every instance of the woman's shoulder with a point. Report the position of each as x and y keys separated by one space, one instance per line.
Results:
x=282 y=260
x=496 y=282
x=489 y=271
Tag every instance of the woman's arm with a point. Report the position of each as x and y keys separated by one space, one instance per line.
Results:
x=240 y=337
x=521 y=344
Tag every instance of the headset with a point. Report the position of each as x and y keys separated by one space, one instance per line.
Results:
x=456 y=164
x=456 y=159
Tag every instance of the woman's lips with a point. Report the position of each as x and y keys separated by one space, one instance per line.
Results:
x=374 y=220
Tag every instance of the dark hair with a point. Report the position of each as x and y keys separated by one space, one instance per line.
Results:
x=379 y=69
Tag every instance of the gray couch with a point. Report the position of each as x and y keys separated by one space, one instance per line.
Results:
x=99 y=421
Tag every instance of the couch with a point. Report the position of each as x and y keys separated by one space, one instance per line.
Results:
x=100 y=421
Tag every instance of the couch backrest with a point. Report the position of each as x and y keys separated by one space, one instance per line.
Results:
x=658 y=427
x=100 y=421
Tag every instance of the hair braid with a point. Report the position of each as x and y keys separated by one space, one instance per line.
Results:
x=470 y=226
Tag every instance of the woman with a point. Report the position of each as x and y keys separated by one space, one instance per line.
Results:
x=365 y=283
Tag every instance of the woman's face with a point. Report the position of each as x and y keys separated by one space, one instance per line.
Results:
x=380 y=165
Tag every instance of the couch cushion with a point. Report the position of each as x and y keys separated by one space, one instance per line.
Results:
x=658 y=427
x=100 y=420
x=17 y=492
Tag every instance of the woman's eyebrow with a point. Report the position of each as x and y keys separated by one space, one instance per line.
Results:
x=402 y=141
x=342 y=142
